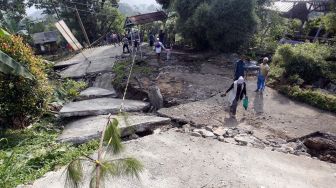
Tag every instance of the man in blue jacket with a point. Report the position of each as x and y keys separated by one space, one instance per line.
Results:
x=239 y=68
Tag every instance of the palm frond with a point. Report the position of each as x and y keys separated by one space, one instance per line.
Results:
x=94 y=178
x=132 y=167
x=112 y=137
x=74 y=174
x=123 y=167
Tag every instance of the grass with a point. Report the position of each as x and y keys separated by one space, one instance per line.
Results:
x=121 y=70
x=312 y=97
x=26 y=155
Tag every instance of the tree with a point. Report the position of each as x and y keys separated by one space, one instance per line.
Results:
x=329 y=22
x=165 y=3
x=110 y=143
x=222 y=25
x=13 y=8
x=98 y=17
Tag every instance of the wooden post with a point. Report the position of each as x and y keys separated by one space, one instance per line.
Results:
x=82 y=27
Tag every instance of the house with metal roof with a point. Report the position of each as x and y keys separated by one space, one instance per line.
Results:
x=45 y=42
x=145 y=18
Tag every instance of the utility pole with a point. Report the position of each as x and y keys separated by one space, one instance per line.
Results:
x=82 y=27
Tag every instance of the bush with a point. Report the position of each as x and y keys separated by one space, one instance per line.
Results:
x=315 y=98
x=22 y=100
x=307 y=60
x=67 y=90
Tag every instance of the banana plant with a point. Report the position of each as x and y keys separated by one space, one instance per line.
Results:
x=110 y=143
x=9 y=66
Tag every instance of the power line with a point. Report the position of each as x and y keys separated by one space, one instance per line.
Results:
x=68 y=33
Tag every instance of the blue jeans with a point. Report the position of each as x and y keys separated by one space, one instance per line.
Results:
x=261 y=83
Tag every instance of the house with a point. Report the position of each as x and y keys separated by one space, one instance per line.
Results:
x=45 y=42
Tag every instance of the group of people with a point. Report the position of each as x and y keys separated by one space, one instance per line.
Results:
x=113 y=38
x=130 y=39
x=238 y=87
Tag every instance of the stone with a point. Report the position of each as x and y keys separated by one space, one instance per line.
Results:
x=285 y=149
x=55 y=106
x=221 y=138
x=100 y=106
x=155 y=97
x=204 y=132
x=104 y=81
x=186 y=126
x=219 y=131
x=186 y=130
x=243 y=139
x=196 y=134
x=302 y=154
x=95 y=92
x=86 y=129
x=230 y=140
x=276 y=141
x=157 y=131
x=134 y=136
x=209 y=128
x=231 y=132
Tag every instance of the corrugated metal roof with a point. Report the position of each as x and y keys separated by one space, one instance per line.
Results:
x=145 y=18
x=45 y=37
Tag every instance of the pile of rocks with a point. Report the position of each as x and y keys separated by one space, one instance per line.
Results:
x=246 y=137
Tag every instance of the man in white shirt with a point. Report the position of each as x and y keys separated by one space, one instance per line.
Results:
x=158 y=49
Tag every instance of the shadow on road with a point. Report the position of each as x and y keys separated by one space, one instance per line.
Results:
x=258 y=103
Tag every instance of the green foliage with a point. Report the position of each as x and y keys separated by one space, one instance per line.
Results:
x=165 y=3
x=270 y=30
x=98 y=17
x=329 y=22
x=112 y=137
x=121 y=70
x=315 y=98
x=103 y=168
x=22 y=100
x=75 y=173
x=220 y=25
x=26 y=155
x=308 y=61
x=293 y=66
x=73 y=88
x=10 y=66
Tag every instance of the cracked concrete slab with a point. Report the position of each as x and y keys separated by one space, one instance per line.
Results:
x=86 y=129
x=100 y=106
x=204 y=162
x=95 y=92
x=99 y=60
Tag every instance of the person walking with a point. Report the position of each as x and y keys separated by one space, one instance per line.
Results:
x=151 y=39
x=237 y=92
x=262 y=75
x=158 y=49
x=125 y=44
x=239 y=68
